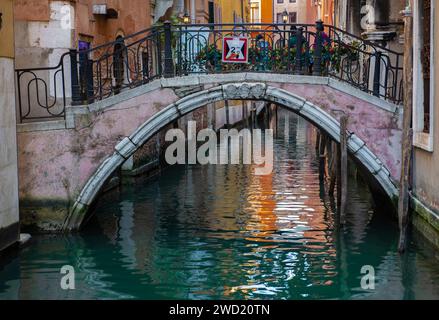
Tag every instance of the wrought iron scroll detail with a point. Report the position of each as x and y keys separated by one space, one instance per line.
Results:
x=180 y=50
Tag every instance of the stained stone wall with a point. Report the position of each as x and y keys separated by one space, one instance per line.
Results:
x=9 y=227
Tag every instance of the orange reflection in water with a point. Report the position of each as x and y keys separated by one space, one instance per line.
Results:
x=285 y=206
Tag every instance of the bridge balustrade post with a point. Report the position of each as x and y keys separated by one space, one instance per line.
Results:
x=90 y=84
x=86 y=78
x=318 y=48
x=76 y=92
x=377 y=74
x=169 y=62
x=299 y=54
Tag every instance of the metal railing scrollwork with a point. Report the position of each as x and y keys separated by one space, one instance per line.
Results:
x=83 y=77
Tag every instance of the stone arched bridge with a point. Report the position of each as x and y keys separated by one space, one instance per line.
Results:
x=64 y=164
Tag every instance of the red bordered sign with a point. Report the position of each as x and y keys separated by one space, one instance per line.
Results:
x=235 y=49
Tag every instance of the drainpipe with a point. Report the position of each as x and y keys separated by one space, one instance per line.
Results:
x=193 y=11
x=319 y=10
x=242 y=11
x=274 y=12
x=343 y=15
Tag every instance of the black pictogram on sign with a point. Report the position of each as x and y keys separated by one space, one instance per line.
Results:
x=235 y=49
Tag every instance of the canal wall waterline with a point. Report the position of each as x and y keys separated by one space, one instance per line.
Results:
x=425 y=220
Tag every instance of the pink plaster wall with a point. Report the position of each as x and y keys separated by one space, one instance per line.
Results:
x=56 y=164
x=380 y=129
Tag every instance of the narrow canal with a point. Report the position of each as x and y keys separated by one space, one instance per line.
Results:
x=220 y=232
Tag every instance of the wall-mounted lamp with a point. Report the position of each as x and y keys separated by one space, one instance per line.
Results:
x=285 y=16
x=186 y=18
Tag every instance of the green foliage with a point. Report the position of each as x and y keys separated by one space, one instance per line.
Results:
x=341 y=52
x=282 y=58
x=260 y=59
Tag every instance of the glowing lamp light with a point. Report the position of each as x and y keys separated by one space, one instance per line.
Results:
x=285 y=16
x=186 y=18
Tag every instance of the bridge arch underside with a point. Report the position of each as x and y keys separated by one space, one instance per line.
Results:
x=322 y=116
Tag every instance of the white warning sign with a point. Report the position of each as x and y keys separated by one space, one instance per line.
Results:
x=235 y=50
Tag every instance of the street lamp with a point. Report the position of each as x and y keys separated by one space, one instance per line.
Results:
x=285 y=20
x=285 y=16
x=186 y=21
x=186 y=18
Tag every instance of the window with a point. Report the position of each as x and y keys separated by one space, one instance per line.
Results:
x=254 y=12
x=293 y=1
x=293 y=17
x=423 y=74
x=426 y=61
x=279 y=18
x=211 y=12
x=280 y=1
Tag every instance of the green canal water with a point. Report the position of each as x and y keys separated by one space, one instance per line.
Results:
x=221 y=232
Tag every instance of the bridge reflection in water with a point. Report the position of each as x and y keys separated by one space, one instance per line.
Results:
x=202 y=232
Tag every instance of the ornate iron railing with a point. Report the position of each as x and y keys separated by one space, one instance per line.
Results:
x=41 y=92
x=179 y=50
x=294 y=49
x=95 y=74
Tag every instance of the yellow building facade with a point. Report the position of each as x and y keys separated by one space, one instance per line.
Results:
x=232 y=11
